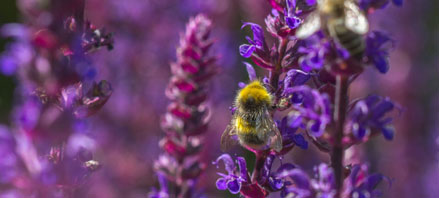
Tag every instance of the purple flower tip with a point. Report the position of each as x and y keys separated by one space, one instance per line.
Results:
x=251 y=72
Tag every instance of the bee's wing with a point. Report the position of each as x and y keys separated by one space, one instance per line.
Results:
x=355 y=19
x=311 y=24
x=227 y=140
x=273 y=132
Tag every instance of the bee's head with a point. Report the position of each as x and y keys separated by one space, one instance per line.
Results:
x=253 y=96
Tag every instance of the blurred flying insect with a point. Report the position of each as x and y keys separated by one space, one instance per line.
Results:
x=252 y=122
x=344 y=22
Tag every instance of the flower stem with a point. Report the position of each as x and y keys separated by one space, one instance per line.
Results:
x=79 y=15
x=259 y=165
x=341 y=103
x=276 y=72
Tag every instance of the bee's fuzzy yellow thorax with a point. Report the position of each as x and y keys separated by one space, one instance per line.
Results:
x=256 y=91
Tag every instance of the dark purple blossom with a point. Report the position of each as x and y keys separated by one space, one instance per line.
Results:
x=256 y=44
x=378 y=45
x=300 y=185
x=314 y=51
x=295 y=77
x=360 y=184
x=314 y=109
x=274 y=180
x=291 y=15
x=290 y=137
x=369 y=115
x=234 y=179
x=297 y=182
x=19 y=53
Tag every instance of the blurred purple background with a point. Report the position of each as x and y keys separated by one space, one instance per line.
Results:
x=125 y=133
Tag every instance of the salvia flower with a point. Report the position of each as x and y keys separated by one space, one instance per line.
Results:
x=256 y=45
x=290 y=17
x=290 y=137
x=368 y=116
x=313 y=110
x=360 y=184
x=299 y=185
x=324 y=181
x=187 y=115
x=235 y=178
x=314 y=49
x=275 y=180
x=378 y=45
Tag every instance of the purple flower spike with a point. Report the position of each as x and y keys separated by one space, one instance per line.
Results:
x=368 y=115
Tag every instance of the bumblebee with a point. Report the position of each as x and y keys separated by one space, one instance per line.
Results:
x=252 y=122
x=344 y=22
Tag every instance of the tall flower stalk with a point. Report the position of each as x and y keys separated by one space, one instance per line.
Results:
x=187 y=115
x=57 y=90
x=309 y=79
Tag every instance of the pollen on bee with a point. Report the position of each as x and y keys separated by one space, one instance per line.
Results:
x=254 y=91
x=242 y=126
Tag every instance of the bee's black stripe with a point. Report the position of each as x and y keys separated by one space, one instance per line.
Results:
x=350 y=40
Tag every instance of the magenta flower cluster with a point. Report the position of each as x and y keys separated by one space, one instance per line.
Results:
x=187 y=115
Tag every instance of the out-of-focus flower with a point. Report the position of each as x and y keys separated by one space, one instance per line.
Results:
x=314 y=51
x=163 y=192
x=371 y=5
x=94 y=38
x=187 y=115
x=324 y=181
x=360 y=184
x=369 y=114
x=299 y=185
x=378 y=45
